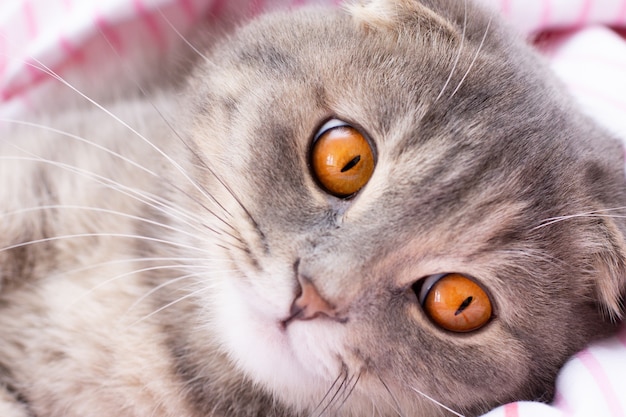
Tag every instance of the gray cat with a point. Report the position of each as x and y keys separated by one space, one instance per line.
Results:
x=389 y=209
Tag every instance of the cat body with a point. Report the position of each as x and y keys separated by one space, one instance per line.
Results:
x=179 y=255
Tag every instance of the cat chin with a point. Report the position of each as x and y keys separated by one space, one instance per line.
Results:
x=297 y=362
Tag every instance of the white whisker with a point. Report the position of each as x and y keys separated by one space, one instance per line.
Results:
x=482 y=42
x=589 y=214
x=161 y=286
x=133 y=163
x=183 y=262
x=458 y=55
x=533 y=255
x=110 y=235
x=396 y=403
x=134 y=131
x=124 y=215
x=168 y=305
x=437 y=402
x=100 y=210
x=184 y=39
x=207 y=195
x=139 y=195
x=83 y=140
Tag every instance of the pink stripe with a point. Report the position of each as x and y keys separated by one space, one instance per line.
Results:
x=35 y=71
x=4 y=52
x=38 y=74
x=621 y=15
x=621 y=336
x=585 y=13
x=151 y=23
x=109 y=34
x=256 y=7
x=546 y=14
x=217 y=8
x=27 y=102
x=583 y=89
x=74 y=56
x=67 y=47
x=505 y=7
x=561 y=403
x=511 y=410
x=31 y=19
x=559 y=400
x=188 y=8
x=602 y=380
x=11 y=92
x=615 y=62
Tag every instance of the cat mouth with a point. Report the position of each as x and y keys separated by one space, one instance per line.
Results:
x=309 y=304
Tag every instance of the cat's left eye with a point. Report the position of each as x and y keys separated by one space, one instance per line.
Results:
x=455 y=302
x=342 y=159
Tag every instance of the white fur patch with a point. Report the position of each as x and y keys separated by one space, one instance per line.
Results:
x=381 y=13
x=295 y=363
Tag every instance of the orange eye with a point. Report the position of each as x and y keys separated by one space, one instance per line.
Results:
x=342 y=159
x=456 y=303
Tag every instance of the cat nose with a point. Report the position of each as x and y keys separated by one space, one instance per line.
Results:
x=310 y=304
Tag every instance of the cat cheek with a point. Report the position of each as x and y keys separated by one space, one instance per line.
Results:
x=250 y=317
x=254 y=340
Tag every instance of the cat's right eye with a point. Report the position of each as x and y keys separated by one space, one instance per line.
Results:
x=455 y=302
x=342 y=159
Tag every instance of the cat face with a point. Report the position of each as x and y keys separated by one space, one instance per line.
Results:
x=422 y=253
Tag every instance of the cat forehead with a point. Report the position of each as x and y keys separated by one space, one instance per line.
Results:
x=319 y=58
x=314 y=35
x=335 y=51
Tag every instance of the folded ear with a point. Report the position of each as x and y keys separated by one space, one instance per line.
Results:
x=393 y=14
x=611 y=270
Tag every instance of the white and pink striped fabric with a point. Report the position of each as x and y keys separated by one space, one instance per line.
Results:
x=583 y=40
x=592 y=384
x=94 y=43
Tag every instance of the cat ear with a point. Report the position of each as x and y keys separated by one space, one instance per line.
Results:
x=392 y=14
x=611 y=271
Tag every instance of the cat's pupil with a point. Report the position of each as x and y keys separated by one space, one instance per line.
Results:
x=464 y=305
x=351 y=164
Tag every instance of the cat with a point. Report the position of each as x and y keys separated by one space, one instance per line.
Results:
x=386 y=209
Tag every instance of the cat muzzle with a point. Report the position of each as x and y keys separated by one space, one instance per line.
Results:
x=310 y=304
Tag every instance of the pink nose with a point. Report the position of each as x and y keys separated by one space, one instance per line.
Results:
x=310 y=304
